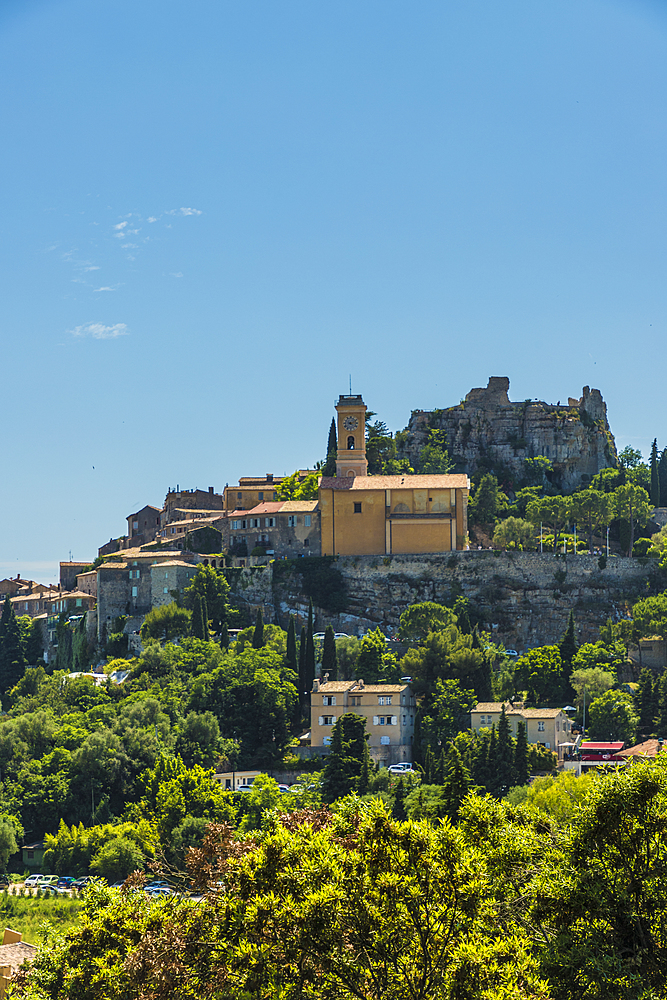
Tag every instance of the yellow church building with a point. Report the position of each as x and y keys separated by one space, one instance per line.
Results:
x=385 y=515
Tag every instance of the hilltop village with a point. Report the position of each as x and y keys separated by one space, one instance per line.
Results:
x=460 y=624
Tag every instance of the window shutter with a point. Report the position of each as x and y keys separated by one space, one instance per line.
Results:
x=375 y=720
x=333 y=700
x=321 y=722
x=394 y=720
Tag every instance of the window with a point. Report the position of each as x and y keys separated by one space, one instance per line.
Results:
x=269 y=522
x=135 y=525
x=384 y=699
x=134 y=592
x=385 y=720
x=540 y=726
x=260 y=496
x=306 y=543
x=385 y=741
x=165 y=590
x=78 y=602
x=329 y=699
x=327 y=720
x=306 y=520
x=291 y=521
x=239 y=496
x=357 y=508
x=350 y=443
x=557 y=726
x=405 y=720
x=548 y=746
x=355 y=700
x=275 y=496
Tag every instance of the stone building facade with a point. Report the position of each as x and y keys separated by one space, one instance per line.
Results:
x=285 y=530
x=488 y=430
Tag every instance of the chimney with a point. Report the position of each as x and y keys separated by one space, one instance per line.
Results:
x=360 y=682
x=316 y=685
x=210 y=489
x=326 y=679
x=269 y=477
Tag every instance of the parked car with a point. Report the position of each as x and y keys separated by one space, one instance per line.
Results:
x=158 y=891
x=81 y=883
x=511 y=652
x=284 y=788
x=32 y=881
x=341 y=635
x=53 y=890
x=404 y=767
x=65 y=881
x=45 y=880
x=5 y=879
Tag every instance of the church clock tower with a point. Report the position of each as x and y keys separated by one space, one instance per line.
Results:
x=351 y=460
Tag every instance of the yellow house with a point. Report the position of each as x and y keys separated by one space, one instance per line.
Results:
x=548 y=726
x=389 y=710
x=373 y=515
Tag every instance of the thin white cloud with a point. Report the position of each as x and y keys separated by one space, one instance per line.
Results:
x=151 y=218
x=121 y=225
x=98 y=331
x=129 y=246
x=105 y=288
x=177 y=274
x=93 y=267
x=184 y=211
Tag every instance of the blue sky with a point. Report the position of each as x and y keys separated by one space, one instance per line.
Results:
x=214 y=213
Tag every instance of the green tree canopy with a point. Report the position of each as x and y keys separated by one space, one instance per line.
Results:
x=167 y=621
x=418 y=620
x=612 y=716
x=207 y=583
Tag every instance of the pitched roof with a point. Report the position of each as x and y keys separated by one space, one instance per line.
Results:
x=536 y=713
x=267 y=507
x=16 y=954
x=296 y=506
x=650 y=748
x=174 y=562
x=489 y=706
x=446 y=482
x=336 y=687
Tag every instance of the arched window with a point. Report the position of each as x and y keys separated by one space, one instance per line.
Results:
x=351 y=474
x=401 y=508
x=350 y=443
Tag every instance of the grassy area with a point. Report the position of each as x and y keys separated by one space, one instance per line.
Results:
x=27 y=914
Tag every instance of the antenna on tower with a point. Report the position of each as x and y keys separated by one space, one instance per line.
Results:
x=350 y=385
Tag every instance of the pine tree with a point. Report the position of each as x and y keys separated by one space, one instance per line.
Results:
x=34 y=646
x=521 y=768
x=258 y=634
x=290 y=657
x=429 y=767
x=661 y=685
x=398 y=808
x=329 y=660
x=224 y=636
x=662 y=477
x=310 y=649
x=456 y=782
x=568 y=646
x=655 y=477
x=505 y=760
x=347 y=767
x=12 y=662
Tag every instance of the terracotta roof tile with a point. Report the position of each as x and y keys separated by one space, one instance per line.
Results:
x=447 y=482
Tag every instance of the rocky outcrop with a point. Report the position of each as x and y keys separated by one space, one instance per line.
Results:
x=523 y=598
x=489 y=432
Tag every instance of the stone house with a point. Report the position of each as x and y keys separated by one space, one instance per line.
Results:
x=69 y=572
x=253 y=490
x=169 y=578
x=142 y=526
x=87 y=582
x=14 y=951
x=389 y=711
x=550 y=727
x=285 y=529
x=207 y=500
x=651 y=653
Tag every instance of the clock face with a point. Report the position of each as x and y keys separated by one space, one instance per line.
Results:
x=350 y=423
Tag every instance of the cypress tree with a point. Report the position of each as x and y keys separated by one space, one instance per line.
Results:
x=34 y=647
x=521 y=768
x=290 y=657
x=398 y=808
x=11 y=653
x=199 y=624
x=224 y=636
x=492 y=782
x=310 y=649
x=303 y=679
x=505 y=765
x=568 y=644
x=644 y=701
x=347 y=767
x=662 y=477
x=329 y=660
x=258 y=634
x=332 y=443
x=655 y=478
x=456 y=782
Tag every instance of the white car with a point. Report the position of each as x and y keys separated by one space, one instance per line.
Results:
x=33 y=880
x=404 y=767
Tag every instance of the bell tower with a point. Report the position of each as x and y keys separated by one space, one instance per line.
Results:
x=351 y=460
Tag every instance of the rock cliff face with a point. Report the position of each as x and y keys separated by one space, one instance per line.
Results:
x=488 y=432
